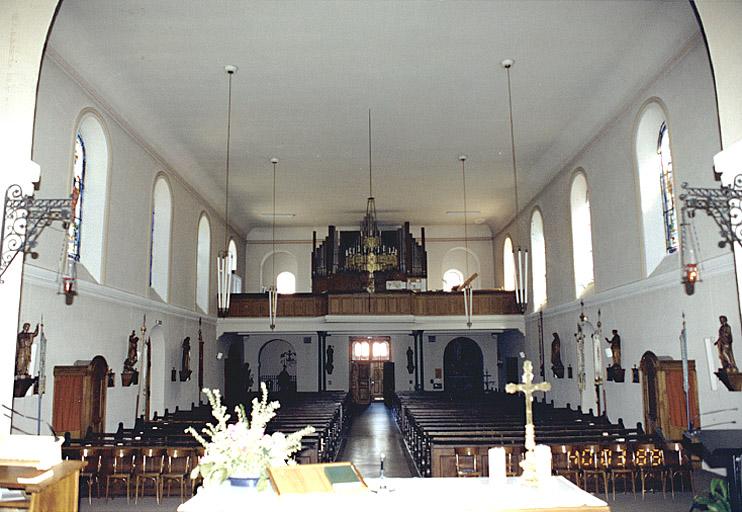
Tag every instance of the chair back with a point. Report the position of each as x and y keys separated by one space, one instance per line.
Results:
x=648 y=456
x=178 y=460
x=91 y=459
x=152 y=460
x=123 y=460
x=560 y=458
x=466 y=459
x=513 y=456
x=618 y=457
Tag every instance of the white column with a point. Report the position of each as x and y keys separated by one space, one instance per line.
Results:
x=23 y=30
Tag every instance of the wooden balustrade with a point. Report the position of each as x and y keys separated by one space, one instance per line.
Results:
x=486 y=302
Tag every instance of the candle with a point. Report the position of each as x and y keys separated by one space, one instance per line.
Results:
x=497 y=469
x=543 y=462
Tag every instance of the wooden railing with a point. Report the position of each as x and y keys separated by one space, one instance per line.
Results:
x=486 y=302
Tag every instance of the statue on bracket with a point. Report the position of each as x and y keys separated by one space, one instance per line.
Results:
x=130 y=375
x=615 y=372
x=410 y=364
x=249 y=381
x=329 y=359
x=728 y=373
x=556 y=356
x=23 y=344
x=23 y=380
x=185 y=361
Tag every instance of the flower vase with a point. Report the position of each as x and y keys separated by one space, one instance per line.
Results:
x=250 y=482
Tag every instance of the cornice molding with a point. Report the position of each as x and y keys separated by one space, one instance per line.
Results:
x=45 y=278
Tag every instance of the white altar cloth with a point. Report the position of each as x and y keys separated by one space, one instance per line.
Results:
x=454 y=494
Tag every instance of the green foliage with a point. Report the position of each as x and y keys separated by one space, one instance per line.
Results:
x=717 y=499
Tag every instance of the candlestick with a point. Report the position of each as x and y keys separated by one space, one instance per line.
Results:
x=497 y=468
x=543 y=462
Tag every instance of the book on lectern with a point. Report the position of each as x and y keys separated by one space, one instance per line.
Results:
x=337 y=477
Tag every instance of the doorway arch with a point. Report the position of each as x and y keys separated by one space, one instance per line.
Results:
x=277 y=366
x=463 y=366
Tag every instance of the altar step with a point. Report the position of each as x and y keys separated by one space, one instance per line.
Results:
x=374 y=432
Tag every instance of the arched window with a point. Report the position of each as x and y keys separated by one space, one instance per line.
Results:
x=538 y=260
x=452 y=277
x=286 y=283
x=232 y=250
x=370 y=349
x=159 y=258
x=89 y=189
x=508 y=265
x=78 y=196
x=669 y=214
x=582 y=240
x=656 y=185
x=203 y=266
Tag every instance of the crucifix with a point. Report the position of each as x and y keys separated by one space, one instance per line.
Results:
x=528 y=464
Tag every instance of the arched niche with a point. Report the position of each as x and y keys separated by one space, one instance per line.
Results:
x=463 y=367
x=277 y=366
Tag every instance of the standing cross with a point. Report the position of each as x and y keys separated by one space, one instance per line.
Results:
x=528 y=388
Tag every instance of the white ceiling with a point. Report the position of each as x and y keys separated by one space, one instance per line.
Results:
x=309 y=70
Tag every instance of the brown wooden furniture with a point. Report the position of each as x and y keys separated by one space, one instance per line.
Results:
x=56 y=493
x=620 y=464
x=678 y=465
x=466 y=461
x=80 y=397
x=121 y=471
x=90 y=473
x=650 y=465
x=664 y=399
x=593 y=465
x=562 y=464
x=177 y=469
x=149 y=468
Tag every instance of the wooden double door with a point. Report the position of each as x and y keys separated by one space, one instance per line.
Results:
x=371 y=380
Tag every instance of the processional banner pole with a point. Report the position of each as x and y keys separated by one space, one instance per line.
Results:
x=686 y=385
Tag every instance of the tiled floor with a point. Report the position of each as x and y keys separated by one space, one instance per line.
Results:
x=372 y=433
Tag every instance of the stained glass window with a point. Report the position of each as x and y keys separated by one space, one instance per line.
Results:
x=78 y=194
x=669 y=214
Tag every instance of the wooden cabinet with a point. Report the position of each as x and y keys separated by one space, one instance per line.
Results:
x=664 y=398
x=80 y=397
x=53 y=494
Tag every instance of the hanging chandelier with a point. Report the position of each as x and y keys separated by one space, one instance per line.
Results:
x=224 y=261
x=466 y=286
x=273 y=288
x=520 y=256
x=370 y=254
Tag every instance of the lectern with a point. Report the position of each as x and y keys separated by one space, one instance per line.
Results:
x=721 y=448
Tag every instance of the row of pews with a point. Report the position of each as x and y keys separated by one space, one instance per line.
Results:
x=435 y=425
x=160 y=446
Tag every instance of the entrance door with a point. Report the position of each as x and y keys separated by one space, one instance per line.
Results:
x=388 y=382
x=360 y=381
x=377 y=380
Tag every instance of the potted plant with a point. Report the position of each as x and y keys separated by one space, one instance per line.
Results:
x=241 y=451
x=717 y=499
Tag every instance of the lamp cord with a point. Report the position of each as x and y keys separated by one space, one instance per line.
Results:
x=466 y=223
x=512 y=150
x=226 y=187
x=274 y=226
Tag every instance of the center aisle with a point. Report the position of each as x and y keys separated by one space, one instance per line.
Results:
x=374 y=432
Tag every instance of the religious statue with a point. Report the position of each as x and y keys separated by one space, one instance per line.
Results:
x=23 y=344
x=615 y=343
x=130 y=362
x=410 y=364
x=556 y=356
x=185 y=361
x=329 y=359
x=724 y=344
x=249 y=381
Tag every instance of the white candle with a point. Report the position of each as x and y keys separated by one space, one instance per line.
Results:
x=543 y=461
x=497 y=469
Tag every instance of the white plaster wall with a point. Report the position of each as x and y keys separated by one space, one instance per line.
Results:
x=646 y=311
x=298 y=242
x=102 y=316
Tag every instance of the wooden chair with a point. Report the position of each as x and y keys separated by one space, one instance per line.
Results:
x=650 y=465
x=150 y=467
x=593 y=466
x=177 y=470
x=620 y=464
x=196 y=482
x=90 y=472
x=123 y=466
x=466 y=461
x=677 y=464
x=513 y=456
x=562 y=464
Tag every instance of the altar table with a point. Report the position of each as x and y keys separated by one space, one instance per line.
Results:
x=556 y=494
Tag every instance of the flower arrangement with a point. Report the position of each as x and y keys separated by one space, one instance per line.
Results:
x=243 y=449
